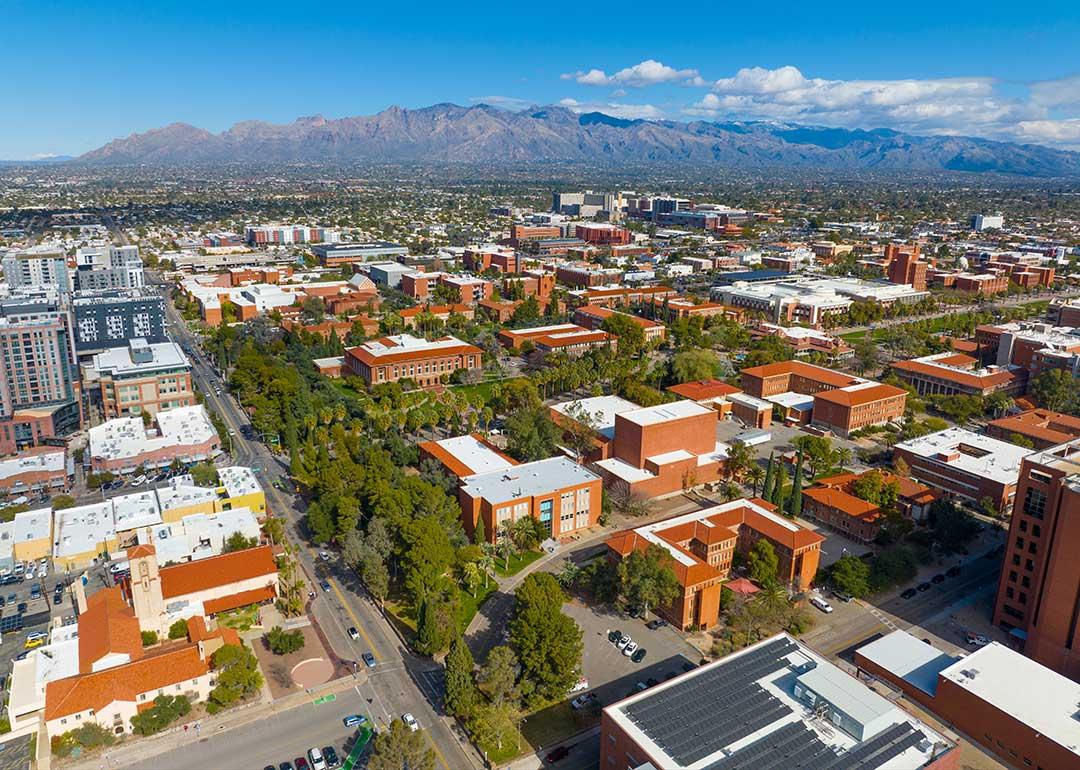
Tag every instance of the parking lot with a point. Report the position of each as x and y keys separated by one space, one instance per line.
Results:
x=613 y=675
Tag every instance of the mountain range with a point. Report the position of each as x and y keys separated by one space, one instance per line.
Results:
x=486 y=134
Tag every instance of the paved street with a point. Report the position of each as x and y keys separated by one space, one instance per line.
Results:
x=398 y=683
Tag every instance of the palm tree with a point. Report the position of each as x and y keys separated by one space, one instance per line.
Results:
x=843 y=457
x=526 y=533
x=486 y=563
x=506 y=542
x=471 y=573
x=730 y=491
x=756 y=475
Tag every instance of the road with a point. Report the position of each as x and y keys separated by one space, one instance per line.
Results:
x=403 y=682
x=989 y=304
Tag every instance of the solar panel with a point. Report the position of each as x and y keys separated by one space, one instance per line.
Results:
x=881 y=748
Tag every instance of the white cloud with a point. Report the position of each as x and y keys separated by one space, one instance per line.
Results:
x=647 y=73
x=1062 y=133
x=503 y=102
x=615 y=109
x=1057 y=93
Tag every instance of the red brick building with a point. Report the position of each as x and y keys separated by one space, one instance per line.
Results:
x=481 y=258
x=1040 y=426
x=600 y=234
x=521 y=233
x=904 y=266
x=958 y=374
x=593 y=317
x=402 y=356
x=832 y=502
x=702 y=545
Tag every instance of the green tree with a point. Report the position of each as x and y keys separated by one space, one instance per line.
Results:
x=238 y=542
x=762 y=562
x=495 y=725
x=60 y=502
x=399 y=748
x=547 y=642
x=282 y=642
x=236 y=673
x=953 y=527
x=768 y=488
x=531 y=435
x=781 y=491
x=498 y=676
x=166 y=710
x=851 y=575
x=647 y=578
x=631 y=335
x=178 y=630
x=797 y=487
x=697 y=364
x=205 y=475
x=461 y=696
x=1055 y=389
x=149 y=638
x=866 y=354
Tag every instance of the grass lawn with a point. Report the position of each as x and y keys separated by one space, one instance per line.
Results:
x=241 y=619
x=552 y=724
x=482 y=389
x=511 y=748
x=470 y=605
x=518 y=562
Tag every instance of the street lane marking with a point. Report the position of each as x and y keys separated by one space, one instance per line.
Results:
x=352 y=616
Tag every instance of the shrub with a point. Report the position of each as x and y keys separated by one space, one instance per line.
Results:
x=166 y=710
x=178 y=630
x=89 y=736
x=149 y=638
x=283 y=642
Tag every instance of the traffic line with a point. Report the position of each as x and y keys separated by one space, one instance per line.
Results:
x=352 y=616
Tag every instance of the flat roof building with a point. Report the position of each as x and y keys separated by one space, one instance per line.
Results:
x=774 y=704
x=466 y=455
x=403 y=356
x=337 y=254
x=124 y=443
x=140 y=377
x=1018 y=710
x=965 y=464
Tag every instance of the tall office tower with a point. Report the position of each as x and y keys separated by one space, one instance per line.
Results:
x=108 y=267
x=1038 y=596
x=33 y=269
x=108 y=319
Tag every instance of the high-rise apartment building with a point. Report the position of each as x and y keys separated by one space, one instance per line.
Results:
x=39 y=391
x=108 y=319
x=35 y=269
x=1039 y=590
x=904 y=266
x=108 y=267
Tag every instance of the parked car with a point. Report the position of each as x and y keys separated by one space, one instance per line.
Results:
x=844 y=597
x=821 y=604
x=58 y=599
x=325 y=585
x=369 y=659
x=330 y=756
x=35 y=591
x=138 y=481
x=301 y=764
x=639 y=655
x=652 y=625
x=623 y=641
x=35 y=639
x=629 y=649
x=410 y=721
x=909 y=593
x=285 y=766
x=580 y=686
x=557 y=754
x=976 y=640
x=937 y=579
x=316 y=758
x=582 y=701
x=924 y=586
x=614 y=636
x=354 y=720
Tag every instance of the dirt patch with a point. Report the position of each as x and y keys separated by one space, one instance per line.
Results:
x=285 y=674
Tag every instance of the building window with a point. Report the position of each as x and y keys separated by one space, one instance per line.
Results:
x=1035 y=503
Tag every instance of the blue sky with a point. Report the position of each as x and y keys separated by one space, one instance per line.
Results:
x=76 y=75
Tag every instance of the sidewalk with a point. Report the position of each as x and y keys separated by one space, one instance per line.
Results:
x=138 y=749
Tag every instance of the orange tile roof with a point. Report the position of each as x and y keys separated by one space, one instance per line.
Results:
x=602 y=312
x=1044 y=424
x=217 y=571
x=435 y=310
x=962 y=379
x=138 y=551
x=838 y=499
x=558 y=340
x=240 y=599
x=860 y=396
x=700 y=390
x=802 y=369
x=410 y=355
x=97 y=690
x=108 y=626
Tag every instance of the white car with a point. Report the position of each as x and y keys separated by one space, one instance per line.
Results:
x=581 y=701
x=316 y=758
x=138 y=481
x=625 y=640
x=410 y=722
x=581 y=686
x=628 y=650
x=821 y=604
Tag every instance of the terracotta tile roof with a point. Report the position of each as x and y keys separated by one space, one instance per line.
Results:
x=910 y=490
x=860 y=396
x=240 y=599
x=700 y=390
x=123 y=683
x=217 y=571
x=407 y=354
x=145 y=549
x=1043 y=424
x=596 y=311
x=565 y=340
x=802 y=369
x=108 y=626
x=741 y=586
x=960 y=378
x=628 y=541
x=839 y=500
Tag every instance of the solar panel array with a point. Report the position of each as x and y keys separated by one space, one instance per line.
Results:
x=880 y=749
x=792 y=746
x=715 y=708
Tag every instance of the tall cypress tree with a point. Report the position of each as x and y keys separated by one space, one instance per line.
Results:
x=779 y=495
x=796 y=487
x=461 y=696
x=770 y=479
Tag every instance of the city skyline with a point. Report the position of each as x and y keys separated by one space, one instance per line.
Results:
x=102 y=73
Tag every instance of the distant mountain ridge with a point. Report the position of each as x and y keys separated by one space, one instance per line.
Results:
x=481 y=133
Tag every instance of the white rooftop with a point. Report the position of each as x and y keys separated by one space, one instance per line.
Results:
x=135 y=510
x=401 y=343
x=238 y=480
x=52 y=461
x=793 y=400
x=199 y=536
x=160 y=355
x=82 y=529
x=527 y=480
x=32 y=525
x=975 y=454
x=602 y=410
x=676 y=410
x=1027 y=691
x=181 y=492
x=125 y=437
x=474 y=454
x=908 y=658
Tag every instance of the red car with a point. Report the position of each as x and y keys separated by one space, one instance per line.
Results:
x=556 y=754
